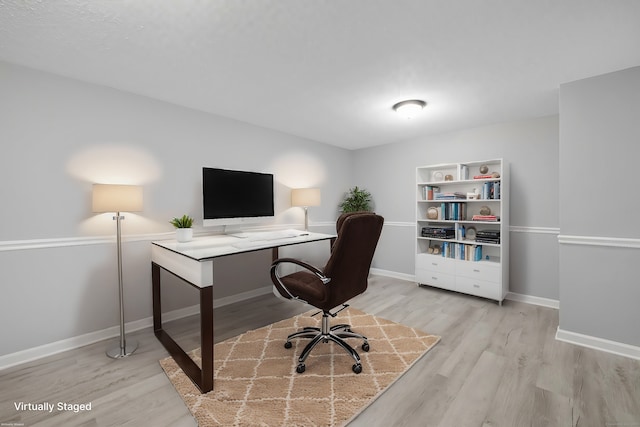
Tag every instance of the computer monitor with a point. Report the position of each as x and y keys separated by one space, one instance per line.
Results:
x=236 y=197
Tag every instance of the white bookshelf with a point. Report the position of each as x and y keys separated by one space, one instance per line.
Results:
x=463 y=248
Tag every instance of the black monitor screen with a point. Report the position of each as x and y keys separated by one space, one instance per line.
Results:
x=231 y=194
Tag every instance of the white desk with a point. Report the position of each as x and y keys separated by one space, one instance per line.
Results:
x=193 y=263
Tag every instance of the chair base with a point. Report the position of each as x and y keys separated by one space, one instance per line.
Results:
x=325 y=334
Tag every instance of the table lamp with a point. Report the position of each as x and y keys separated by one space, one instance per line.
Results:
x=118 y=198
x=305 y=197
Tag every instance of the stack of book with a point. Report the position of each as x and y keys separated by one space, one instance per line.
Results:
x=485 y=218
x=488 y=236
x=450 y=196
x=439 y=232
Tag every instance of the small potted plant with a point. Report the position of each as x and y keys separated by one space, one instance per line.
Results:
x=184 y=232
x=357 y=199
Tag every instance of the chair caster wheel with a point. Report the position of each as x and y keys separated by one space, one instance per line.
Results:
x=357 y=368
x=288 y=344
x=301 y=368
x=365 y=346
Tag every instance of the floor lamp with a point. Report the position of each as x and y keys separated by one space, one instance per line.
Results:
x=305 y=197
x=118 y=198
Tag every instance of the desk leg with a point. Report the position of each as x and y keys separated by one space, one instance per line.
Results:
x=206 y=337
x=155 y=285
x=201 y=377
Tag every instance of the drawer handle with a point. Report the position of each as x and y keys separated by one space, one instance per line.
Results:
x=434 y=278
x=476 y=286
x=475 y=270
x=434 y=263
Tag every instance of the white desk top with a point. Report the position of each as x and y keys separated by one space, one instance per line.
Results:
x=207 y=247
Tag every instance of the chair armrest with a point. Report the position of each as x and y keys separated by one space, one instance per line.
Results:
x=311 y=268
x=275 y=276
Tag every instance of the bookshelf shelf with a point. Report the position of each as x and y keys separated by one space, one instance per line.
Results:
x=454 y=251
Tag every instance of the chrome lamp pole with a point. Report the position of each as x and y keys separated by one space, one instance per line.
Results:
x=118 y=198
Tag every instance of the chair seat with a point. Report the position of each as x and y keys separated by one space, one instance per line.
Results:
x=307 y=286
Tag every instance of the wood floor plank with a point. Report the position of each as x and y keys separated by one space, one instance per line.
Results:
x=475 y=396
x=551 y=409
x=495 y=366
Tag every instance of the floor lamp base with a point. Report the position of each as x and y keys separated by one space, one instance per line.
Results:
x=119 y=352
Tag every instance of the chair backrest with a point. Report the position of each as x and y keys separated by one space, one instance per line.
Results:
x=351 y=255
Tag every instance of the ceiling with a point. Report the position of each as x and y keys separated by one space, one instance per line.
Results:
x=331 y=70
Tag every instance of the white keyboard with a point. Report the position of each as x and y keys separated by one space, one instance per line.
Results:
x=244 y=243
x=254 y=238
x=275 y=235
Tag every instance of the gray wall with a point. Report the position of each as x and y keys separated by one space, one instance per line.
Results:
x=58 y=259
x=531 y=149
x=600 y=241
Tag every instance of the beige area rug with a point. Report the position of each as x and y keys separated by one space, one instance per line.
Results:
x=256 y=383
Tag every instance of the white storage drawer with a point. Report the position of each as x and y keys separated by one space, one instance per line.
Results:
x=435 y=278
x=480 y=288
x=435 y=263
x=479 y=270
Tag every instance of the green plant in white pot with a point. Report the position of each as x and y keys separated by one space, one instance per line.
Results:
x=184 y=232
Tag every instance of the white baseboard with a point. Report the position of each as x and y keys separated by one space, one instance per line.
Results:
x=393 y=274
x=529 y=299
x=50 y=349
x=601 y=344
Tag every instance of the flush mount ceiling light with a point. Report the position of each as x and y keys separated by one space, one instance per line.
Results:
x=409 y=108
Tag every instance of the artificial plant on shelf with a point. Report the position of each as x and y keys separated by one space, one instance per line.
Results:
x=184 y=232
x=356 y=200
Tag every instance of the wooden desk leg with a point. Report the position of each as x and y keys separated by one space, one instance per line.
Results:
x=206 y=337
x=155 y=291
x=202 y=376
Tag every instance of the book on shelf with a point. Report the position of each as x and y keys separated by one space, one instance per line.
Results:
x=490 y=191
x=488 y=176
x=493 y=241
x=488 y=233
x=464 y=172
x=430 y=191
x=450 y=196
x=461 y=232
x=485 y=218
x=488 y=236
x=462 y=251
x=477 y=253
x=455 y=211
x=438 y=232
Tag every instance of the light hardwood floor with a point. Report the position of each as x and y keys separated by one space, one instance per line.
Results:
x=495 y=366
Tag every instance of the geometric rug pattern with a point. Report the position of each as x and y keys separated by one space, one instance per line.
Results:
x=256 y=383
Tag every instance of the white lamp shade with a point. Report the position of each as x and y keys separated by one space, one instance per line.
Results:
x=305 y=197
x=117 y=198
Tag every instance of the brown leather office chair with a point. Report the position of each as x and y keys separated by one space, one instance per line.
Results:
x=343 y=277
